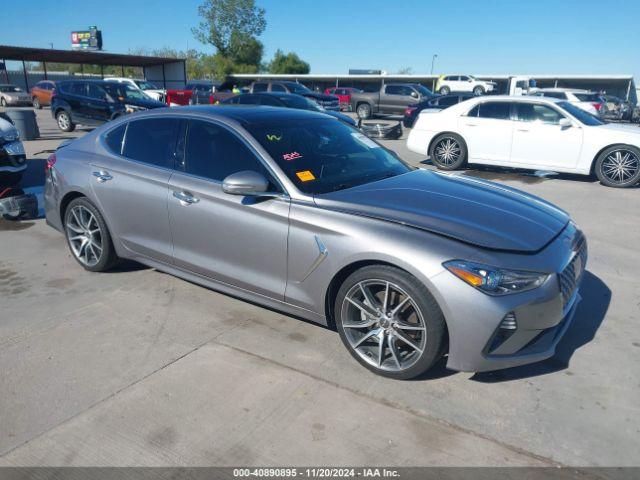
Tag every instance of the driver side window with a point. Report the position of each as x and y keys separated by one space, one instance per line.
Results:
x=532 y=112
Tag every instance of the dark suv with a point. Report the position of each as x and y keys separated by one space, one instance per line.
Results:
x=328 y=102
x=93 y=102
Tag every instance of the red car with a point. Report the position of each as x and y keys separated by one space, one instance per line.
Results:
x=343 y=94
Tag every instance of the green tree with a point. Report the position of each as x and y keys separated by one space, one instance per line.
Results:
x=228 y=24
x=287 y=63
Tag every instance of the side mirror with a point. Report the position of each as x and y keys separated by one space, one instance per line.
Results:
x=414 y=94
x=246 y=183
x=565 y=123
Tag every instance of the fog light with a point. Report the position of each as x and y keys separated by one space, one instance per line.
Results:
x=509 y=322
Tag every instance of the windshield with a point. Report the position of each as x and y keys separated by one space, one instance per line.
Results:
x=9 y=88
x=424 y=91
x=297 y=88
x=122 y=91
x=584 y=117
x=325 y=155
x=588 y=97
x=144 y=85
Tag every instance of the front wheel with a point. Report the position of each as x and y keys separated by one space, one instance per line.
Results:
x=64 y=121
x=36 y=103
x=88 y=237
x=448 y=152
x=478 y=90
x=364 y=111
x=390 y=322
x=618 y=166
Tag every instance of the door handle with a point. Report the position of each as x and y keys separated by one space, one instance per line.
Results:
x=102 y=176
x=185 y=198
x=471 y=124
x=523 y=129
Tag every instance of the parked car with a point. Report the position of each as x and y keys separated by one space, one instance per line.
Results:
x=41 y=94
x=285 y=100
x=93 y=102
x=13 y=96
x=153 y=91
x=590 y=102
x=615 y=108
x=328 y=102
x=392 y=98
x=306 y=215
x=434 y=104
x=13 y=161
x=343 y=94
x=532 y=133
x=194 y=93
x=464 y=83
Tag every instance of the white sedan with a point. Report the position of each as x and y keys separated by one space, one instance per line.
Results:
x=529 y=132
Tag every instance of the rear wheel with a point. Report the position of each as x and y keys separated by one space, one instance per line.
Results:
x=618 y=166
x=64 y=121
x=88 y=237
x=448 y=152
x=444 y=90
x=364 y=111
x=389 y=322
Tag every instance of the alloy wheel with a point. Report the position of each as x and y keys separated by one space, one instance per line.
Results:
x=447 y=151
x=383 y=325
x=84 y=235
x=63 y=121
x=620 y=166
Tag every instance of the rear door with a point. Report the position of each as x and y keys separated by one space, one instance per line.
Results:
x=130 y=182
x=241 y=241
x=488 y=129
x=540 y=142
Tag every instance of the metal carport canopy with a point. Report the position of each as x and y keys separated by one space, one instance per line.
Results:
x=27 y=54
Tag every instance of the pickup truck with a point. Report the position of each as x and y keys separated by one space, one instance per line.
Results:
x=328 y=102
x=198 y=93
x=392 y=99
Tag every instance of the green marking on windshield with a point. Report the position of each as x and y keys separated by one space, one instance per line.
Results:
x=274 y=138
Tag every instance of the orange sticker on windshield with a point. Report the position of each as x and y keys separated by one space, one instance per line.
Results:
x=305 y=176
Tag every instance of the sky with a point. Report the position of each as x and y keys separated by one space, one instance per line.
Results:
x=476 y=37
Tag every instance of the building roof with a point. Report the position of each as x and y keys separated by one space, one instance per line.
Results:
x=80 y=56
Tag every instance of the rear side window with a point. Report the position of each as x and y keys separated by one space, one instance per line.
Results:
x=447 y=101
x=493 y=110
x=151 y=141
x=114 y=139
x=588 y=97
x=260 y=87
x=559 y=95
x=78 y=88
x=213 y=152
x=278 y=88
x=269 y=101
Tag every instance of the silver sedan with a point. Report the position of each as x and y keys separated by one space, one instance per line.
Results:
x=299 y=212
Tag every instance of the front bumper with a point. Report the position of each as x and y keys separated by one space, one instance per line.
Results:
x=15 y=102
x=381 y=130
x=495 y=332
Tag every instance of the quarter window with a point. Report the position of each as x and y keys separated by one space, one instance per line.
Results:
x=213 y=152
x=259 y=87
x=95 y=92
x=152 y=141
x=531 y=112
x=113 y=139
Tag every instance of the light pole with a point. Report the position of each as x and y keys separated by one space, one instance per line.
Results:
x=433 y=59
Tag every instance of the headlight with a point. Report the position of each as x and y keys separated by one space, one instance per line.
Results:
x=133 y=108
x=10 y=136
x=495 y=281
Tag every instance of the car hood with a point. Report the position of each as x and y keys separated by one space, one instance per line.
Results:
x=341 y=116
x=320 y=96
x=471 y=210
x=621 y=129
x=150 y=103
x=16 y=94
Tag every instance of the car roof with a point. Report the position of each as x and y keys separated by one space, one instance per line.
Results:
x=243 y=114
x=518 y=98
x=569 y=90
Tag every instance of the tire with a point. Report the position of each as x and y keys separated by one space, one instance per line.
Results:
x=364 y=111
x=3 y=102
x=448 y=152
x=82 y=219
x=64 y=121
x=419 y=320
x=618 y=166
x=36 y=103
x=479 y=90
x=444 y=90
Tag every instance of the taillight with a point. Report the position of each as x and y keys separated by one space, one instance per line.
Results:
x=410 y=110
x=51 y=161
x=597 y=106
x=53 y=93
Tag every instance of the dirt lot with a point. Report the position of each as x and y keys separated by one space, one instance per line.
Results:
x=137 y=367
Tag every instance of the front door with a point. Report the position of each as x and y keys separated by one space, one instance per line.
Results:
x=487 y=129
x=97 y=106
x=539 y=141
x=234 y=239
x=131 y=184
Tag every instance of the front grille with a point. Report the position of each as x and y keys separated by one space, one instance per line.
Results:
x=569 y=278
